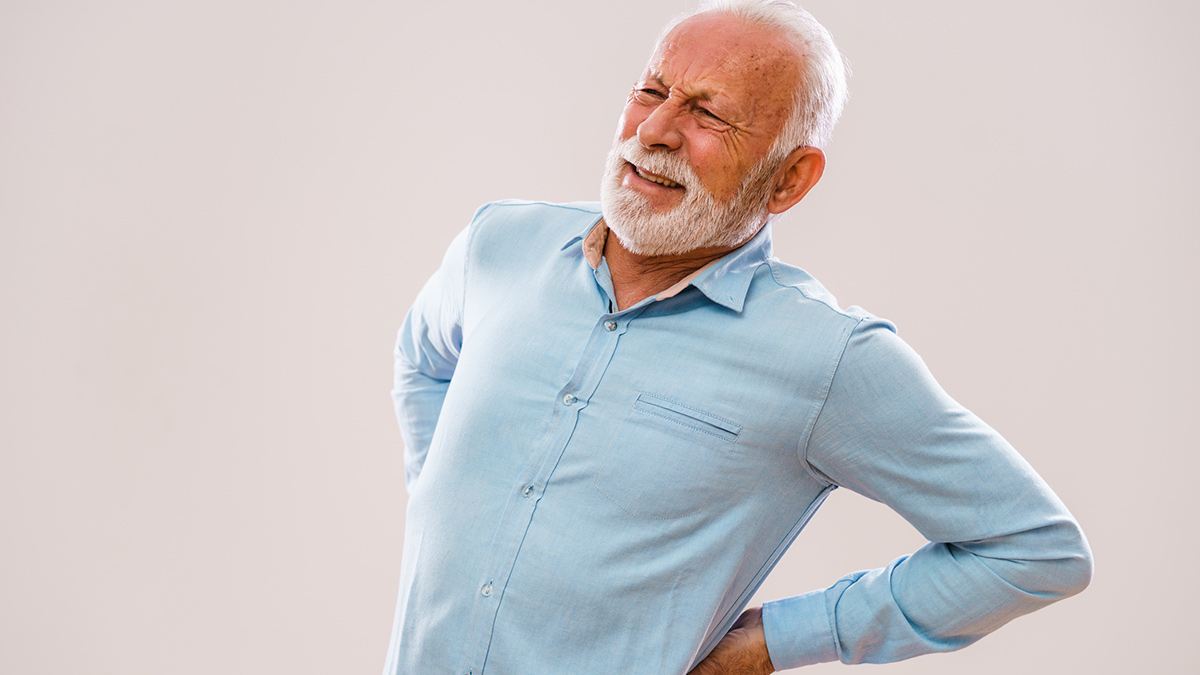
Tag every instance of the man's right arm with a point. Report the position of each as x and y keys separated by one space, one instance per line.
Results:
x=427 y=349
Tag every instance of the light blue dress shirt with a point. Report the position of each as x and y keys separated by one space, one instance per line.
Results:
x=603 y=492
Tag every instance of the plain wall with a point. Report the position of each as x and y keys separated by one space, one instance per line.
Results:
x=213 y=216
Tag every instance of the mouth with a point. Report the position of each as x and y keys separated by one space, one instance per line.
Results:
x=654 y=178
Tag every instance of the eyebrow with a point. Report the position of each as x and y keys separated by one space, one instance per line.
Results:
x=656 y=76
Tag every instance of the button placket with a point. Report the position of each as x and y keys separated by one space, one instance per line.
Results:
x=598 y=353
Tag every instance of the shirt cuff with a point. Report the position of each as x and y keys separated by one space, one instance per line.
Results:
x=798 y=631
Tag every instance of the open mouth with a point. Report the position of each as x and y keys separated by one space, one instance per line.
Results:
x=654 y=178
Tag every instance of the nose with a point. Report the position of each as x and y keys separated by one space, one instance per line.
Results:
x=660 y=129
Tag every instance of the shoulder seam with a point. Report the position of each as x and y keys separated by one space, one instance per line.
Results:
x=472 y=230
x=826 y=386
x=833 y=308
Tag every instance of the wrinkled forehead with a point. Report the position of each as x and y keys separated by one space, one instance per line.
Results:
x=755 y=63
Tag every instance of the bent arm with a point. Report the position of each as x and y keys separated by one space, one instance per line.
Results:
x=427 y=349
x=1001 y=542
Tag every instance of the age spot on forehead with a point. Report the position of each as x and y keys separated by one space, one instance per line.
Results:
x=755 y=62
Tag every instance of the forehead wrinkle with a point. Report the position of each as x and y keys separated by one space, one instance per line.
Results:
x=698 y=89
x=733 y=55
x=740 y=70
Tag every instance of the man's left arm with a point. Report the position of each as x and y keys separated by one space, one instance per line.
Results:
x=1001 y=542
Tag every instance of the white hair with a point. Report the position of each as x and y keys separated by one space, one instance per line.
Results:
x=822 y=92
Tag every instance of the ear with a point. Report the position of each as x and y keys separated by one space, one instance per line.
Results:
x=797 y=175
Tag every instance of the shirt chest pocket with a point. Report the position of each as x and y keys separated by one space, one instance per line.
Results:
x=665 y=459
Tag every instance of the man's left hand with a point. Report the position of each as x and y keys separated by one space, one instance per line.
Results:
x=743 y=650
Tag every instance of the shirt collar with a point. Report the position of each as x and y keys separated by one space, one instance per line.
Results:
x=725 y=281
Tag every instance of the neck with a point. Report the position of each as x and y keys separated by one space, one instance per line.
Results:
x=637 y=277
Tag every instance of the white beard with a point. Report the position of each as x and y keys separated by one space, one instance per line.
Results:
x=699 y=221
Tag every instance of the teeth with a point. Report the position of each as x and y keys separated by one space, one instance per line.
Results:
x=654 y=178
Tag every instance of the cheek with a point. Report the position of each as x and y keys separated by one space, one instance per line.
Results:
x=717 y=163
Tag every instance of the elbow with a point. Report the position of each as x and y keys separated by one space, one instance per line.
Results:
x=1051 y=563
x=1065 y=566
x=1076 y=568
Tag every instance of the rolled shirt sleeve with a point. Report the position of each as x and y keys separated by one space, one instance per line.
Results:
x=1001 y=542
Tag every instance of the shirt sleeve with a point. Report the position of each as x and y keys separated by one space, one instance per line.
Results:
x=1001 y=542
x=427 y=349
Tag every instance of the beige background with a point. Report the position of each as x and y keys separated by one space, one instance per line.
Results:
x=214 y=214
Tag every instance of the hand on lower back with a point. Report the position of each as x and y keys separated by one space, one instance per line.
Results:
x=743 y=650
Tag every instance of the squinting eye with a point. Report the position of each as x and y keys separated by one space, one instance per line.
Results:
x=708 y=114
x=651 y=92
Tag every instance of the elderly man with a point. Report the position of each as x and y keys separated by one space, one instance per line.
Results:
x=617 y=419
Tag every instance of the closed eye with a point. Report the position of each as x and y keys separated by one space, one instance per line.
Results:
x=712 y=116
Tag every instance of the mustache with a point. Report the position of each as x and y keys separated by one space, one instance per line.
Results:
x=660 y=162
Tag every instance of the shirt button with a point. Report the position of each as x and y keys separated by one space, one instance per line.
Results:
x=527 y=491
x=569 y=399
x=486 y=590
x=610 y=326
